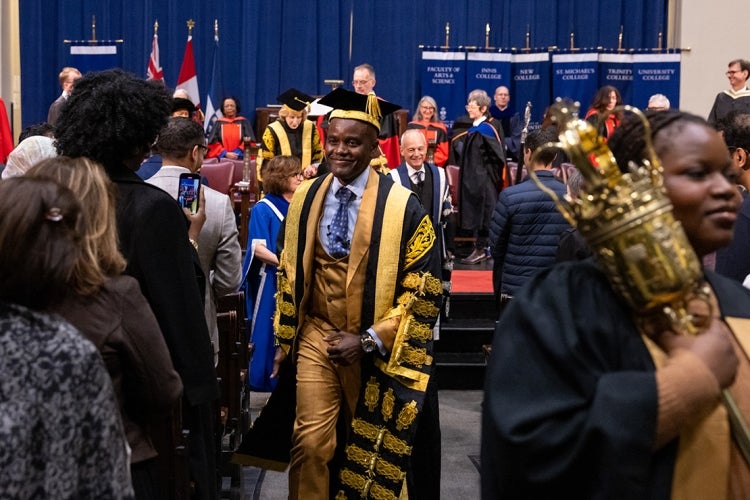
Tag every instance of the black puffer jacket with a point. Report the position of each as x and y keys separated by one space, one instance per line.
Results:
x=525 y=231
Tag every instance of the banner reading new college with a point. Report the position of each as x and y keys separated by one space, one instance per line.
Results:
x=94 y=57
x=575 y=76
x=444 y=79
x=656 y=74
x=487 y=71
x=531 y=83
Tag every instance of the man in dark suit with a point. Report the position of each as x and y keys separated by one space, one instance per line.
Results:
x=67 y=78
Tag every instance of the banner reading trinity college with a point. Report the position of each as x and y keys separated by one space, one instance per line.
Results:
x=444 y=79
x=616 y=70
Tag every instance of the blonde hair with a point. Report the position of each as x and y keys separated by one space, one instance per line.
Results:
x=287 y=111
x=101 y=257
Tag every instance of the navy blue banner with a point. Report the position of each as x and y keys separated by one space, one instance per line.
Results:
x=94 y=57
x=531 y=83
x=656 y=74
x=487 y=72
x=444 y=79
x=575 y=76
x=616 y=70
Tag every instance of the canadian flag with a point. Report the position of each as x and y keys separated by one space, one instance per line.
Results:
x=188 y=80
x=154 y=69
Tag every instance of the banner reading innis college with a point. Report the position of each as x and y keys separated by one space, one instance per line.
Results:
x=444 y=79
x=487 y=71
x=656 y=74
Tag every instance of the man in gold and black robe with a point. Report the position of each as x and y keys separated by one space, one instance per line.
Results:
x=355 y=316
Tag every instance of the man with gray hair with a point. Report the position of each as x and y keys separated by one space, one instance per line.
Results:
x=658 y=102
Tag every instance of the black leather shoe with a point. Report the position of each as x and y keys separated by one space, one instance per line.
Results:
x=477 y=256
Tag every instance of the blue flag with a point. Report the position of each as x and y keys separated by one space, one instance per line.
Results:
x=212 y=99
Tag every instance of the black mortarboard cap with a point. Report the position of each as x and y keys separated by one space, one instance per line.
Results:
x=295 y=100
x=367 y=108
x=181 y=103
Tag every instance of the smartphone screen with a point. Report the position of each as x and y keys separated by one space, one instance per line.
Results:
x=187 y=195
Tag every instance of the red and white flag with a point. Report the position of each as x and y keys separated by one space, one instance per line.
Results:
x=154 y=69
x=188 y=79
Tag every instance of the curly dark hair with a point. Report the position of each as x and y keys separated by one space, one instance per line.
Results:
x=112 y=117
x=178 y=137
x=601 y=98
x=41 y=128
x=628 y=141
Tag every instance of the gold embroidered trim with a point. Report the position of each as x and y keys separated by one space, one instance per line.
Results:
x=366 y=486
x=286 y=308
x=420 y=243
x=415 y=356
x=407 y=415
x=374 y=463
x=282 y=284
x=372 y=394
x=373 y=433
x=285 y=332
x=341 y=495
x=421 y=307
x=422 y=283
x=418 y=331
x=388 y=402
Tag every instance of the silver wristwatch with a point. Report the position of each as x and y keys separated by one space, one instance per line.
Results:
x=368 y=343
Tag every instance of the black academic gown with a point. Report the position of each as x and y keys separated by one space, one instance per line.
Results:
x=154 y=240
x=571 y=402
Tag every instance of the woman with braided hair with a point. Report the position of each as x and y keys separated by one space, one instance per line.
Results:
x=580 y=401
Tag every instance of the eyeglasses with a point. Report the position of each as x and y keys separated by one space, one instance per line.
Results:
x=733 y=72
x=360 y=82
x=202 y=147
x=471 y=106
x=426 y=107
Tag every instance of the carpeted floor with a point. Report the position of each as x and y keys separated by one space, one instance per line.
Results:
x=471 y=281
x=460 y=416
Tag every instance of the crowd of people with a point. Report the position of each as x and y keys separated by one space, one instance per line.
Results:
x=110 y=288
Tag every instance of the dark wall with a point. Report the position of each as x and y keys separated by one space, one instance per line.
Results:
x=267 y=47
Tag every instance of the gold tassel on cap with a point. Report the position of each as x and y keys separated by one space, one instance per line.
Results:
x=373 y=107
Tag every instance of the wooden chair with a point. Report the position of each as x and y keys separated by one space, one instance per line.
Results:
x=219 y=175
x=234 y=356
x=452 y=173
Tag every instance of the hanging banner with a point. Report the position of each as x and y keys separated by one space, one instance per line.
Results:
x=531 y=83
x=487 y=71
x=94 y=57
x=616 y=70
x=575 y=77
x=656 y=74
x=444 y=79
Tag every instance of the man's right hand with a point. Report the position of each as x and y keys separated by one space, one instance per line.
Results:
x=278 y=358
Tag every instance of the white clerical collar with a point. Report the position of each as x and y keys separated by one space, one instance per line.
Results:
x=479 y=120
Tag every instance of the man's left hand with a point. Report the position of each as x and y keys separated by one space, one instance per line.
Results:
x=344 y=348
